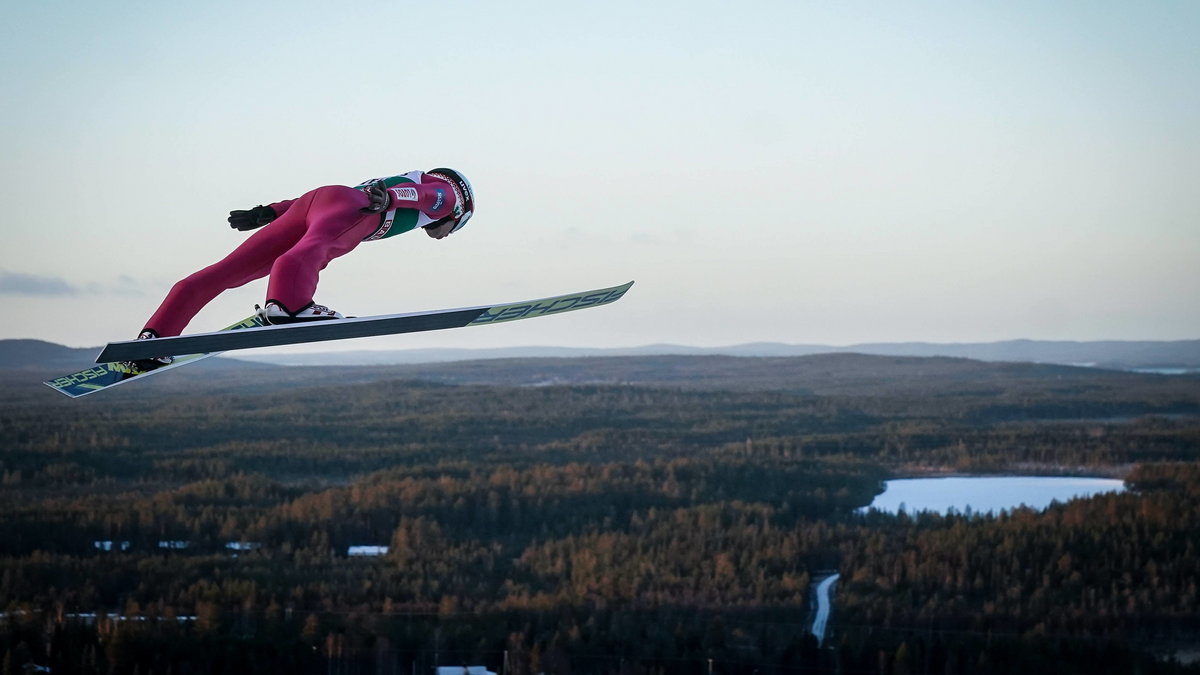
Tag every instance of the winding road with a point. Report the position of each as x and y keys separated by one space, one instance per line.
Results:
x=823 y=606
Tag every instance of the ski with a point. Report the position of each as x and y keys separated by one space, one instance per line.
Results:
x=105 y=375
x=341 y=329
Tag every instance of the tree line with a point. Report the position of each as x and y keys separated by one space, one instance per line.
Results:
x=590 y=528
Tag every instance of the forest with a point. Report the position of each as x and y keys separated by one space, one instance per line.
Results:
x=624 y=515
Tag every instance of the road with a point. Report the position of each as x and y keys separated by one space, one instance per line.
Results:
x=823 y=606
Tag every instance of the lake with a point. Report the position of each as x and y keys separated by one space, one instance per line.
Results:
x=986 y=493
x=1166 y=371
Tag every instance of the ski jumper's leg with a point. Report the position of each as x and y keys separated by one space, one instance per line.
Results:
x=335 y=224
x=249 y=261
x=318 y=227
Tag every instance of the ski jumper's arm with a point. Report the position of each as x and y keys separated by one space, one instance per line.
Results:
x=414 y=201
x=431 y=199
x=281 y=207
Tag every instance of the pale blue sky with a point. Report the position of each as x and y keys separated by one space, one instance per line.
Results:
x=784 y=171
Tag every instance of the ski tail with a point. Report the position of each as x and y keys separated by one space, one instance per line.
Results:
x=106 y=375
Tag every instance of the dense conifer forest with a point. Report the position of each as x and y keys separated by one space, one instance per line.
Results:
x=656 y=515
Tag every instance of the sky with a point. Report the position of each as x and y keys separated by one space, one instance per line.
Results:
x=792 y=171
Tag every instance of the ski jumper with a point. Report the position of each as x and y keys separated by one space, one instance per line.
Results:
x=306 y=235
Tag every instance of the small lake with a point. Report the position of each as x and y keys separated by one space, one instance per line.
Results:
x=984 y=494
x=1166 y=371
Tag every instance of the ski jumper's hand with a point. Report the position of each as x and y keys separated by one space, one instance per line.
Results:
x=377 y=192
x=253 y=219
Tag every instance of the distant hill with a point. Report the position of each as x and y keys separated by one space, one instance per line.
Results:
x=40 y=355
x=1184 y=354
x=816 y=374
x=823 y=374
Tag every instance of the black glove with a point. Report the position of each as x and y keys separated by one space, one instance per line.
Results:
x=380 y=198
x=252 y=219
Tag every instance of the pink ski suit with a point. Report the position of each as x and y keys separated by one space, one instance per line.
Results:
x=306 y=235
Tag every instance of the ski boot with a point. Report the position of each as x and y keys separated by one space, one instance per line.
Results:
x=276 y=314
x=143 y=365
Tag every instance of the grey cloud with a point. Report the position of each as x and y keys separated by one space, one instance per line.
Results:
x=17 y=283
